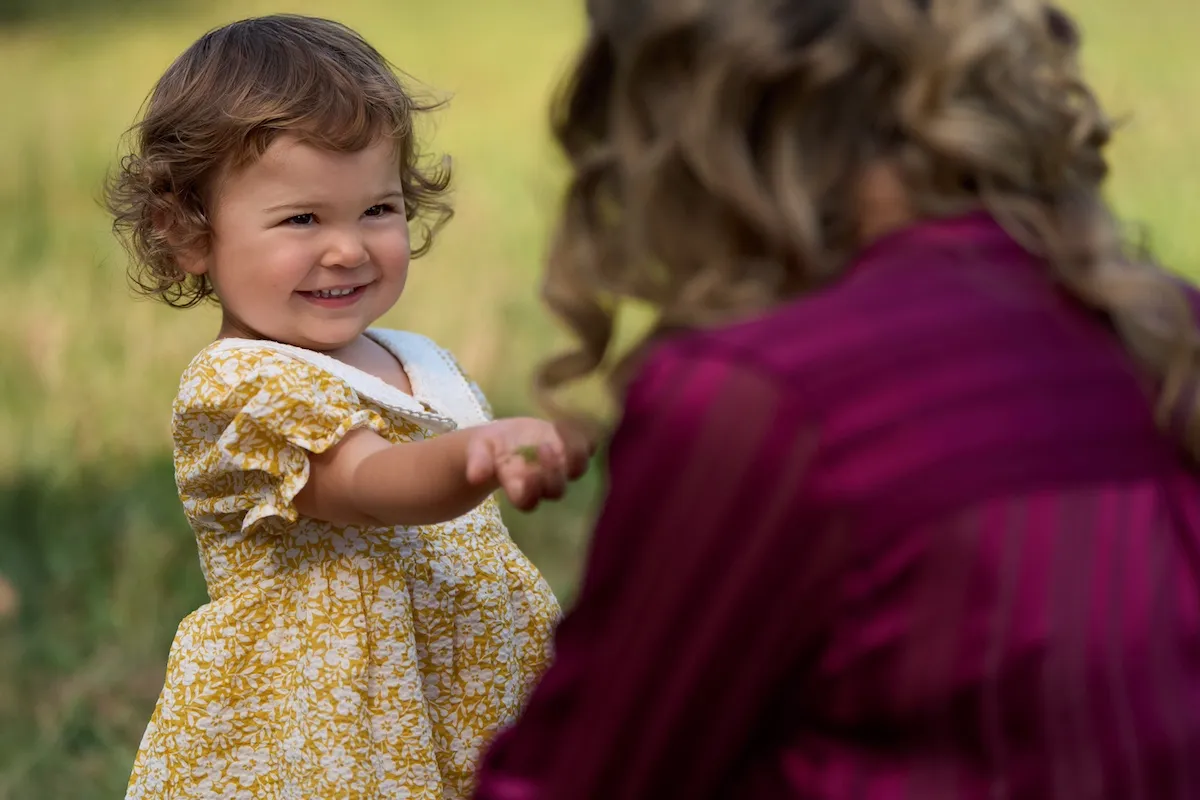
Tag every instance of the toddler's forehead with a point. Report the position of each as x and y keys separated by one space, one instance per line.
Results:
x=290 y=157
x=294 y=165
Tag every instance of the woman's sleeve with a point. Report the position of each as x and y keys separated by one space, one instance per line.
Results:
x=688 y=611
x=245 y=425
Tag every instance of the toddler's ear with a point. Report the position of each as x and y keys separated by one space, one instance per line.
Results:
x=192 y=261
x=191 y=256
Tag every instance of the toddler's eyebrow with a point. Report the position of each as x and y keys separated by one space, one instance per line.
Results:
x=292 y=205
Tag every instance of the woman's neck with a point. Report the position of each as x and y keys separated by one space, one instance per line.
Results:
x=883 y=203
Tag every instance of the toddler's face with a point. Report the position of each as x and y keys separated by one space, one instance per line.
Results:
x=309 y=246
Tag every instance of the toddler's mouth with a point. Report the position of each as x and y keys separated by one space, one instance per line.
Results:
x=335 y=296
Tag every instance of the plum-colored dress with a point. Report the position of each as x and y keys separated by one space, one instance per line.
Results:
x=916 y=536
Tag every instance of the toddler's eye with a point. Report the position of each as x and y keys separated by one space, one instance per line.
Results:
x=379 y=210
x=300 y=219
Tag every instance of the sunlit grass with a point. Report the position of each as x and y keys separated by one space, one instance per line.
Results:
x=91 y=537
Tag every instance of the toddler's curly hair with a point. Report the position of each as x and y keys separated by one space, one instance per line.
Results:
x=222 y=103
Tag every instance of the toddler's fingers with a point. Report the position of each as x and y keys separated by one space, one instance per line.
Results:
x=522 y=483
x=577 y=450
x=513 y=476
x=553 y=472
x=552 y=456
x=481 y=462
x=553 y=483
x=513 y=487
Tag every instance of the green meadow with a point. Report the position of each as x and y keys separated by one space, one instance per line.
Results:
x=97 y=565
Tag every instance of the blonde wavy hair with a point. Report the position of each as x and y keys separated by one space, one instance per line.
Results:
x=222 y=103
x=715 y=149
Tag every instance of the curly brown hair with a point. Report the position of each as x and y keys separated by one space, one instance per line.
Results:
x=223 y=102
x=715 y=147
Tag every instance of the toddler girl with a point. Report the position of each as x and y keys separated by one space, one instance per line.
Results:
x=371 y=622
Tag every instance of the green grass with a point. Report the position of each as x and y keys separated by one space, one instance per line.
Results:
x=91 y=536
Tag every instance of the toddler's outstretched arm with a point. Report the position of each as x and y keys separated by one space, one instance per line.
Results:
x=365 y=479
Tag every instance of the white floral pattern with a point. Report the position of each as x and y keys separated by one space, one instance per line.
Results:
x=333 y=662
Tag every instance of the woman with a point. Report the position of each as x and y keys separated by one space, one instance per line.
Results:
x=903 y=502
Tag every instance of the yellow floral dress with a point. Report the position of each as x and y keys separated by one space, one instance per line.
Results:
x=333 y=662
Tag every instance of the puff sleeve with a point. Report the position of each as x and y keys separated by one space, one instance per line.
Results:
x=245 y=423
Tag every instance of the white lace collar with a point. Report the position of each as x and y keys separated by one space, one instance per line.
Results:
x=442 y=400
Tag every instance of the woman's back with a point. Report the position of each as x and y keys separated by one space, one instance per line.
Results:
x=1023 y=574
x=912 y=531
x=949 y=553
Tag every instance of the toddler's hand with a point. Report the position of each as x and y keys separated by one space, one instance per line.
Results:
x=530 y=459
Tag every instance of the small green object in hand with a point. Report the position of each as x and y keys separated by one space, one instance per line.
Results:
x=529 y=453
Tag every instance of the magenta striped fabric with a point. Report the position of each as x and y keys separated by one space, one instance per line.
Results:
x=914 y=537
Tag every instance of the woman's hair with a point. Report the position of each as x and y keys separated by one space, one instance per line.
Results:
x=715 y=148
x=221 y=105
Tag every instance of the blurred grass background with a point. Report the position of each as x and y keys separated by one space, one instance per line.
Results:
x=97 y=565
